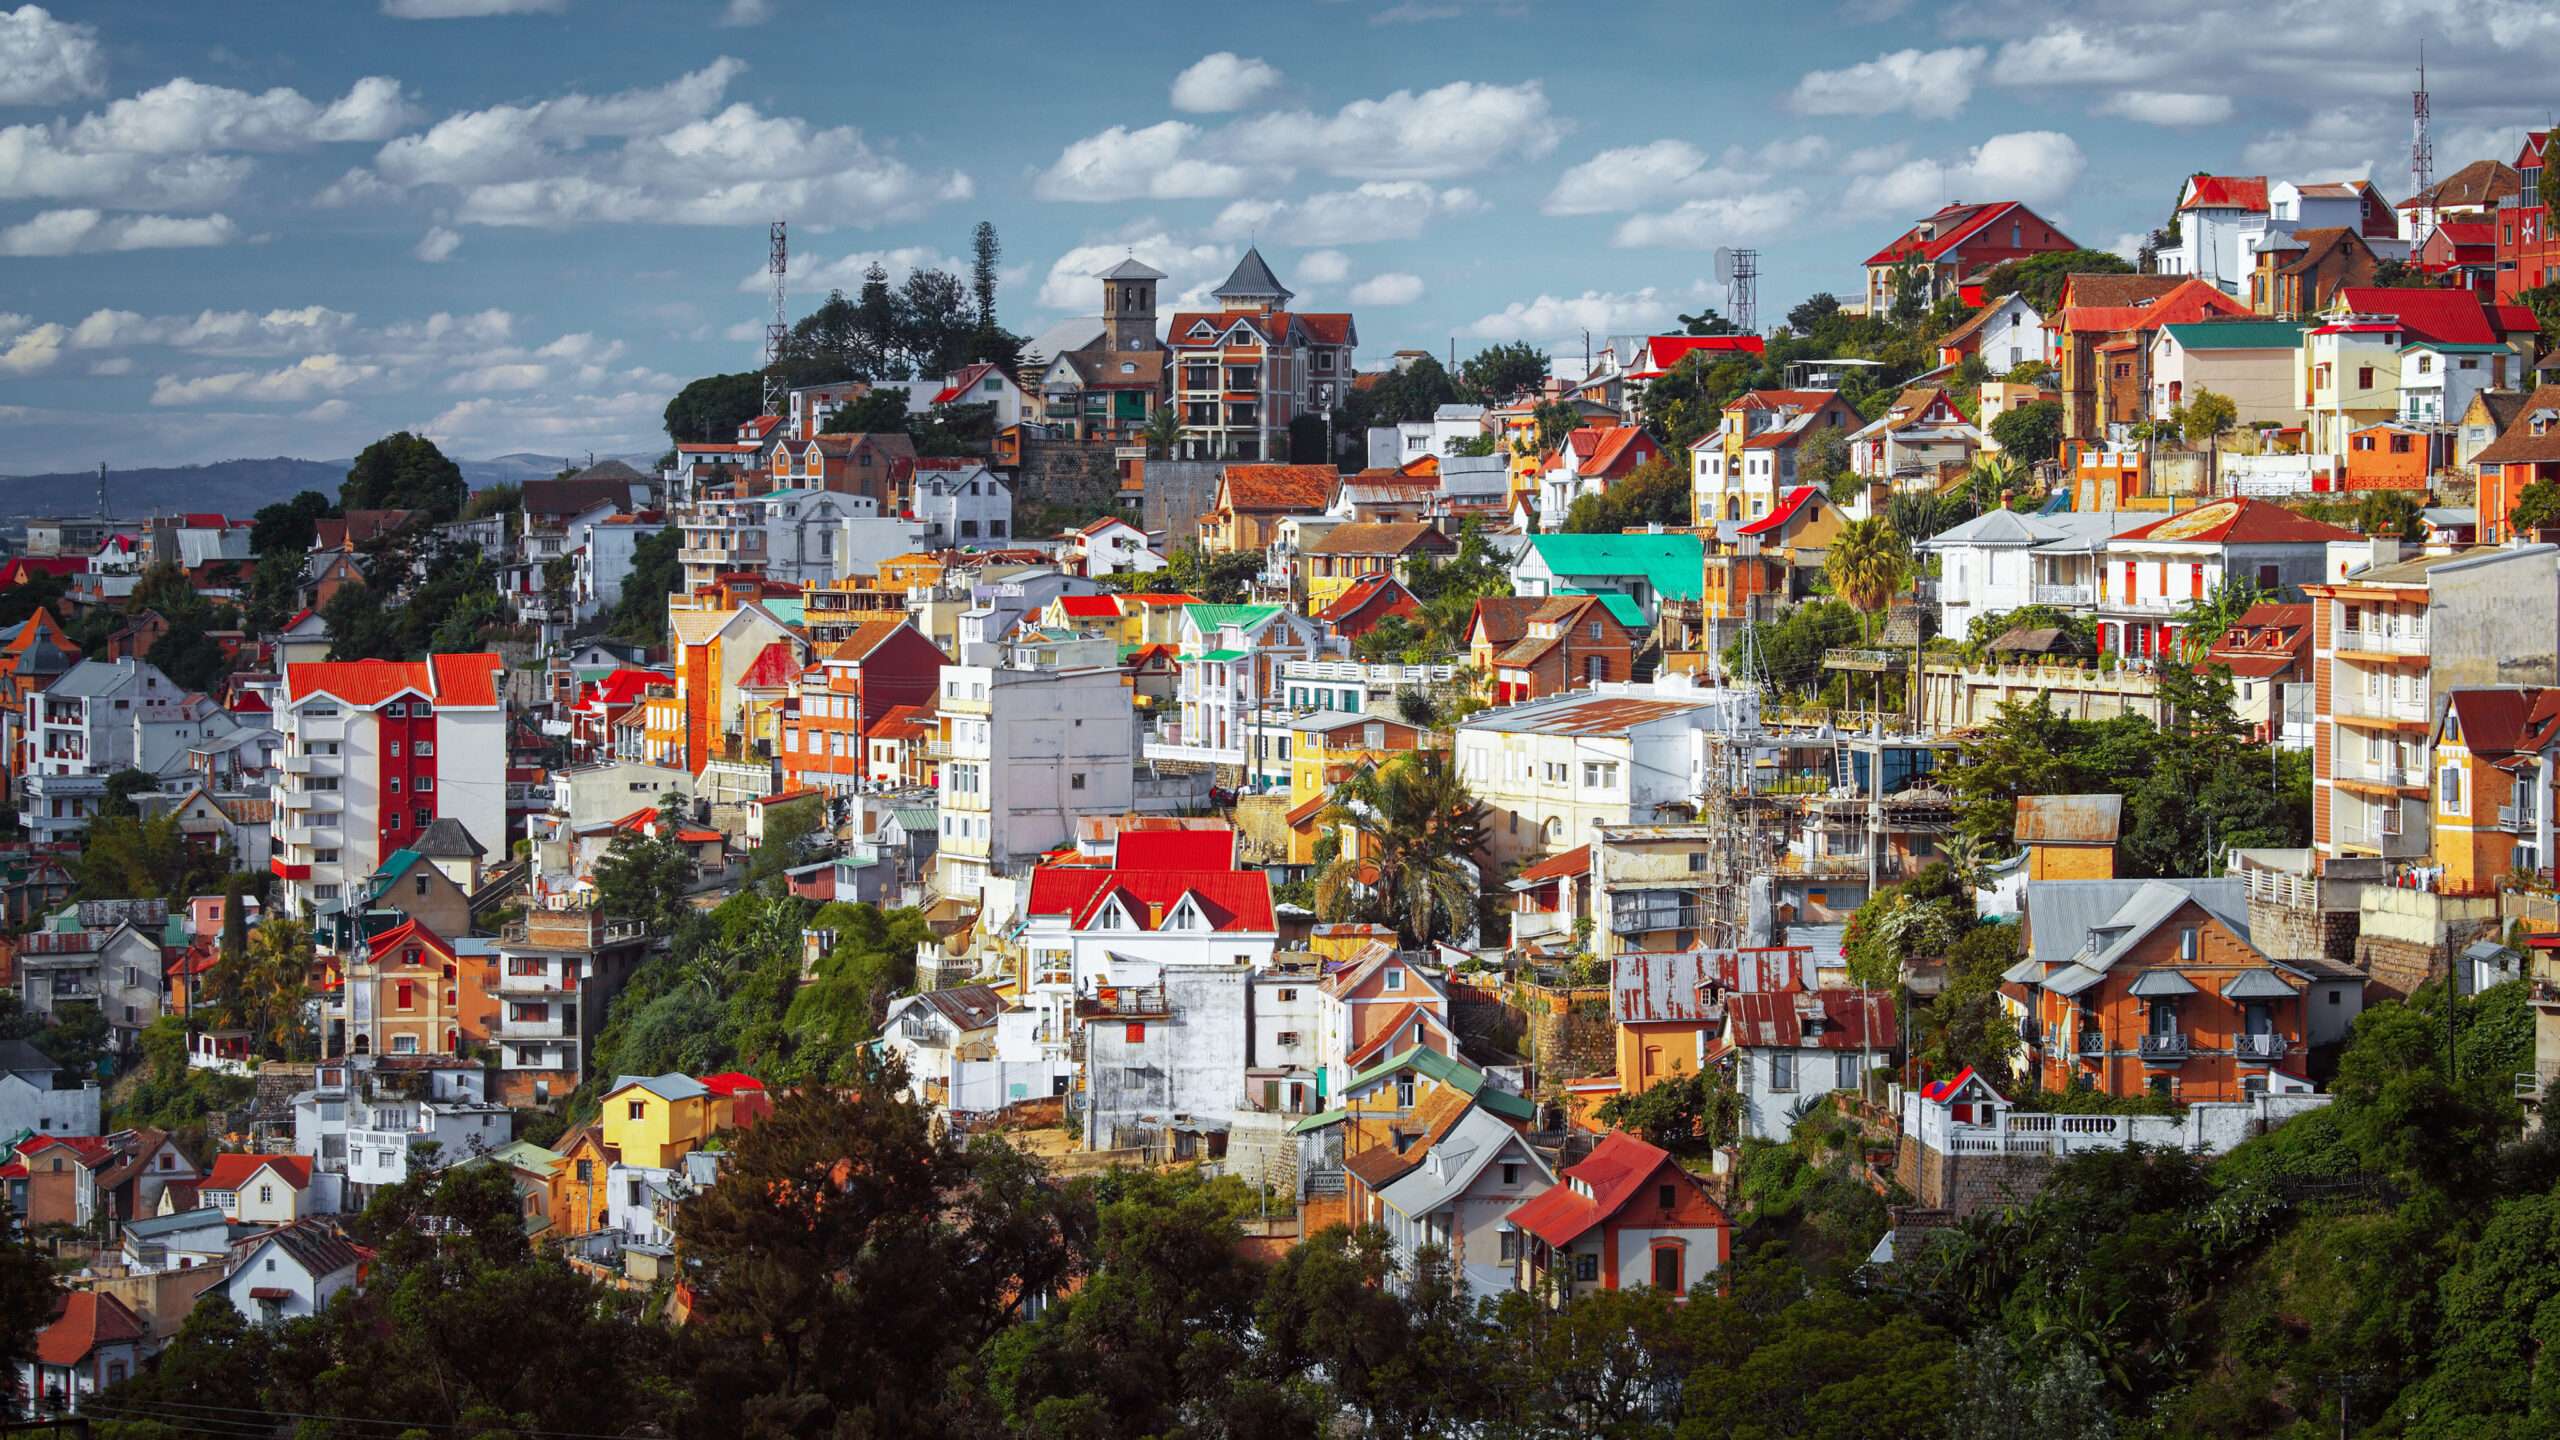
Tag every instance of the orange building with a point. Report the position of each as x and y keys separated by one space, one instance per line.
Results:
x=2154 y=986
x=882 y=666
x=2389 y=456
x=2070 y=837
x=2492 y=784
x=406 y=992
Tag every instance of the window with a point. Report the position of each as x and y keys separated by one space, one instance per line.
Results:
x=1395 y=978
x=1666 y=1267
x=1586 y=1268
x=426 y=817
x=2187 y=943
x=639 y=1110
x=395 y=749
x=266 y=1194
x=586 y=1172
x=1667 y=1197
x=395 y=784
x=1137 y=1033
x=1510 y=1239
x=404 y=1044
x=424 y=748
x=395 y=710
x=1076 y=781
x=423 y=784
x=1404 y=1091
x=2451 y=788
x=1510 y=1174
x=2364 y=377
x=1782 y=1070
x=1288 y=1038
x=407 y=996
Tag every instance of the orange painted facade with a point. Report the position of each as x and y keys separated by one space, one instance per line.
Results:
x=2389 y=457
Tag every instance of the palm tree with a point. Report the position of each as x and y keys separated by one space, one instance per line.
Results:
x=1419 y=854
x=1869 y=563
x=1966 y=858
x=1162 y=430
x=277 y=984
x=1992 y=475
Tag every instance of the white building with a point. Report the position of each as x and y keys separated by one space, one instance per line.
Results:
x=370 y=1121
x=92 y=722
x=1392 y=447
x=1028 y=752
x=290 y=1273
x=604 y=548
x=2007 y=333
x=2001 y=560
x=1552 y=771
x=1114 y=547
x=2439 y=380
x=1229 y=660
x=376 y=751
x=1795 y=1047
x=1460 y=1198
x=962 y=501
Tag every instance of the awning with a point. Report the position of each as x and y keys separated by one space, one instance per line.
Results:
x=2257 y=985
x=2162 y=985
x=2072 y=979
x=2025 y=972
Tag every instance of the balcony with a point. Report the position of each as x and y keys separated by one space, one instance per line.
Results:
x=298 y=764
x=2518 y=820
x=2165 y=1049
x=2369 y=641
x=2089 y=1042
x=2081 y=596
x=2258 y=1049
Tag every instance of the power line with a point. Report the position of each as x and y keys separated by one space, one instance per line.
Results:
x=221 y=1415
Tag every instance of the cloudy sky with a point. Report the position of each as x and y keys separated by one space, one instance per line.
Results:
x=290 y=226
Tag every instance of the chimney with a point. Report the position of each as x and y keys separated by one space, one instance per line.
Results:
x=2382 y=550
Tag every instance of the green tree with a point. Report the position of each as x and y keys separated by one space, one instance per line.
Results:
x=1422 y=852
x=2391 y=514
x=1687 y=1114
x=1656 y=492
x=2537 y=507
x=708 y=411
x=1162 y=431
x=645 y=877
x=402 y=471
x=122 y=786
x=640 y=614
x=2031 y=432
x=792 y=834
x=274 y=986
x=1407 y=395
x=878 y=411
x=1868 y=564
x=1500 y=374
x=290 y=525
x=2038 y=279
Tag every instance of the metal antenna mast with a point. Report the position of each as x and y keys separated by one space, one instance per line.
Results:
x=2422 y=156
x=102 y=489
x=1739 y=272
x=779 y=262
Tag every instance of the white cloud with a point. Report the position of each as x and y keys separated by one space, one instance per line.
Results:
x=2073 y=54
x=846 y=272
x=36 y=163
x=32 y=350
x=1223 y=81
x=2037 y=167
x=44 y=60
x=1704 y=224
x=223 y=332
x=2128 y=245
x=69 y=232
x=1394 y=287
x=2337 y=143
x=684 y=160
x=1378 y=210
x=1324 y=267
x=358 y=186
x=114 y=365
x=1598 y=311
x=1633 y=175
x=187 y=117
x=519 y=375
x=438 y=244
x=1125 y=164
x=1191 y=269
x=306 y=379
x=1455 y=129
x=746 y=12
x=466 y=9
x=1932 y=84
x=2167 y=107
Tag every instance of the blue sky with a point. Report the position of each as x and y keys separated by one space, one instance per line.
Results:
x=287 y=228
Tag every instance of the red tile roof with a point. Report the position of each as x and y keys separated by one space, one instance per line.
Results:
x=2239 y=522
x=1779 y=399
x=2239 y=192
x=1614 y=1173
x=469 y=680
x=1576 y=861
x=1233 y=899
x=1951 y=227
x=1661 y=352
x=960 y=382
x=1286 y=488
x=1089 y=607
x=2454 y=317
x=86 y=1321
x=2189 y=300
x=1613 y=451
x=1326 y=328
x=1176 y=850
x=93 y=1150
x=1797 y=499
x=626 y=685
x=731 y=1082
x=1362 y=593
x=230 y=1172
x=409 y=932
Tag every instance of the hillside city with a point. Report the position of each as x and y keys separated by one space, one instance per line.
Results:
x=1964 y=861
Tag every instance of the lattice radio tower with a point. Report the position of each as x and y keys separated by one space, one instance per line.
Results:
x=2422 y=154
x=1739 y=270
x=779 y=262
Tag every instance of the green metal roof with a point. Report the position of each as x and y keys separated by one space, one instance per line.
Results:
x=1210 y=617
x=1621 y=608
x=2442 y=347
x=1674 y=565
x=1226 y=656
x=1319 y=1121
x=794 y=611
x=1453 y=1072
x=2239 y=334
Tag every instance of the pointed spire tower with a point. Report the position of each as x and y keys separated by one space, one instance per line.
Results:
x=1253 y=286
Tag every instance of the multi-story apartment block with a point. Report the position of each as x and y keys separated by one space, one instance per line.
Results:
x=100 y=717
x=106 y=953
x=366 y=1120
x=1243 y=371
x=1024 y=755
x=557 y=971
x=375 y=751
x=1738 y=470
x=2388 y=642
x=882 y=665
x=1552 y=771
x=1230 y=658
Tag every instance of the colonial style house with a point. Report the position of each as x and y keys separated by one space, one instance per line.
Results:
x=1791 y=1047
x=1952 y=246
x=1253 y=499
x=1628 y=1215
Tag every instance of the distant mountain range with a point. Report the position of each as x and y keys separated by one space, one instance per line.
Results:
x=239 y=487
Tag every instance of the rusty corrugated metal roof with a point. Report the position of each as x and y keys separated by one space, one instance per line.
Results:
x=2069 y=819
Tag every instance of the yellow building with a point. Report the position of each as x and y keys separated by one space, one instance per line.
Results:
x=1153 y=619
x=2070 y=837
x=1349 y=553
x=654 y=1121
x=1325 y=748
x=581 y=1200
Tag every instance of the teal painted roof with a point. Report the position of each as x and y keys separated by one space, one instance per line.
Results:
x=793 y=612
x=1457 y=1074
x=2239 y=334
x=1210 y=617
x=1319 y=1121
x=1621 y=608
x=1226 y=656
x=2443 y=348
x=1674 y=565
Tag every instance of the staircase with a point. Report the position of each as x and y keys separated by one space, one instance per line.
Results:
x=499 y=886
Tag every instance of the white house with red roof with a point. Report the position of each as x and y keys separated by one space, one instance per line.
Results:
x=1111 y=546
x=2217 y=216
x=1378 y=1005
x=982 y=384
x=1589 y=460
x=375 y=751
x=1956 y=245
x=256 y=1189
x=1628 y=1215
x=93 y=1341
x=2151 y=573
x=962 y=500
x=1792 y=1047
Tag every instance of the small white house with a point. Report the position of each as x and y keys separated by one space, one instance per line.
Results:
x=1115 y=547
x=963 y=501
x=291 y=1272
x=1792 y=1047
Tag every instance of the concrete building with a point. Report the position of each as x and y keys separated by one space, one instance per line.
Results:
x=2250 y=362
x=558 y=970
x=962 y=501
x=1552 y=771
x=1024 y=755
x=95 y=720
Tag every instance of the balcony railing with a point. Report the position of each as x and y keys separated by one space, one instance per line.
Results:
x=2170 y=1046
x=2384 y=642
x=2065 y=594
x=2259 y=1049
x=2090 y=1042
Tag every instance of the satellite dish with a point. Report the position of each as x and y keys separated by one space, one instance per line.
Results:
x=1724 y=265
